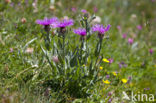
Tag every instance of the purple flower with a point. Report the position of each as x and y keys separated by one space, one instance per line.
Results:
x=84 y=11
x=100 y=28
x=151 y=51
x=107 y=76
x=95 y=9
x=73 y=9
x=110 y=60
x=55 y=59
x=80 y=31
x=110 y=93
x=27 y=2
x=122 y=64
x=146 y=89
x=118 y=27
x=47 y=21
x=11 y=49
x=110 y=100
x=12 y=4
x=129 y=79
x=64 y=23
x=139 y=27
x=124 y=35
x=130 y=40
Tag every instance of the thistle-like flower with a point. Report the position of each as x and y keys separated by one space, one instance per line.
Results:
x=139 y=27
x=124 y=35
x=151 y=51
x=80 y=31
x=130 y=40
x=100 y=29
x=63 y=24
x=84 y=11
x=47 y=22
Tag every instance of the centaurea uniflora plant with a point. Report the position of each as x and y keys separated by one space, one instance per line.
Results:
x=101 y=30
x=62 y=24
x=46 y=22
x=67 y=64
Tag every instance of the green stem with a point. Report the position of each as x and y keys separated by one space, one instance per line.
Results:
x=63 y=46
x=82 y=44
x=99 y=49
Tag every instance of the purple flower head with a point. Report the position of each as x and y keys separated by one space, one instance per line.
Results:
x=84 y=11
x=151 y=51
x=47 y=21
x=80 y=31
x=129 y=79
x=74 y=9
x=12 y=4
x=110 y=93
x=110 y=60
x=122 y=64
x=110 y=100
x=95 y=9
x=100 y=28
x=124 y=35
x=19 y=4
x=146 y=89
x=107 y=76
x=11 y=49
x=119 y=27
x=55 y=59
x=130 y=40
x=139 y=27
x=64 y=23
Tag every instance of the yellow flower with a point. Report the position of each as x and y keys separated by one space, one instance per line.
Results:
x=106 y=81
x=101 y=67
x=114 y=73
x=124 y=80
x=105 y=60
x=155 y=65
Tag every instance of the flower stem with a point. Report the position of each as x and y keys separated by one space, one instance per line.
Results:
x=63 y=44
x=99 y=45
x=82 y=45
x=47 y=38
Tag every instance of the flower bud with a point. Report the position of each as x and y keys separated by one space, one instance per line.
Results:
x=8 y=1
x=52 y=8
x=55 y=59
x=23 y=20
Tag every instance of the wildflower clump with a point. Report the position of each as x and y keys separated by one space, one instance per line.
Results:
x=66 y=61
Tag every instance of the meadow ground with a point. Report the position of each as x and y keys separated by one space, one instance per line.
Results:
x=77 y=51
